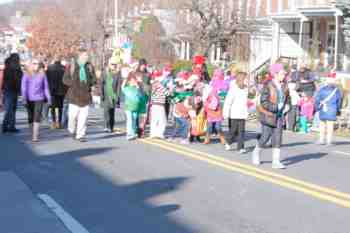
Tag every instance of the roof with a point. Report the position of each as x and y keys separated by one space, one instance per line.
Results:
x=304 y=13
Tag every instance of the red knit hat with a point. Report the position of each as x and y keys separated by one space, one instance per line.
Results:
x=157 y=74
x=199 y=60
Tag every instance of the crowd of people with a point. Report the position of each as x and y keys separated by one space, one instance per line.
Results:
x=192 y=102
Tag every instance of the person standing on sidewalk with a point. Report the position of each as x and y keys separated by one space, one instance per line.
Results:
x=35 y=92
x=294 y=99
x=55 y=73
x=80 y=78
x=132 y=99
x=110 y=92
x=271 y=110
x=145 y=83
x=11 y=88
x=158 y=100
x=236 y=111
x=328 y=104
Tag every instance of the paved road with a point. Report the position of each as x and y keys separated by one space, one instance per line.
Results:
x=113 y=186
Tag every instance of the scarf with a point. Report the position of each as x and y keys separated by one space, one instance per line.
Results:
x=109 y=86
x=82 y=72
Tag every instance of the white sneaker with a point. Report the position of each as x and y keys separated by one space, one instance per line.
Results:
x=256 y=156
x=276 y=162
x=228 y=147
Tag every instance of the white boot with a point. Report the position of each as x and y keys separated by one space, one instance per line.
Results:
x=256 y=156
x=36 y=127
x=276 y=155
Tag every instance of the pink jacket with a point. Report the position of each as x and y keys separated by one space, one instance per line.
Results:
x=307 y=107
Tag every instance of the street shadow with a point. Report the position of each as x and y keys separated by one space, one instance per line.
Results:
x=78 y=182
x=344 y=143
x=301 y=158
x=295 y=144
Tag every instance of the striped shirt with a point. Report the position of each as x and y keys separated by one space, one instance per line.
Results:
x=159 y=93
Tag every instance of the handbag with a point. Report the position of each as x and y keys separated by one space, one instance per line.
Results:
x=323 y=104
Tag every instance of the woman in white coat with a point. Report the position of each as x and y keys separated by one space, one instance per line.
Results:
x=236 y=111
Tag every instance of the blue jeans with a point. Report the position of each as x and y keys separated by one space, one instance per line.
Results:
x=10 y=106
x=181 y=128
x=65 y=115
x=212 y=126
x=131 y=124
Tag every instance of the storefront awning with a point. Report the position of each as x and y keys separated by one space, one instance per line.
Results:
x=320 y=12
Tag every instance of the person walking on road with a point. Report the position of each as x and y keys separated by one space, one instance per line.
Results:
x=328 y=104
x=236 y=111
x=55 y=73
x=79 y=78
x=132 y=99
x=110 y=92
x=271 y=110
x=35 y=92
x=11 y=88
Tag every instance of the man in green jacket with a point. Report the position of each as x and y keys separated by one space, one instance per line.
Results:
x=111 y=91
x=80 y=78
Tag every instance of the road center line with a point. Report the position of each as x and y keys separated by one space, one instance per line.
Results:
x=72 y=225
x=319 y=192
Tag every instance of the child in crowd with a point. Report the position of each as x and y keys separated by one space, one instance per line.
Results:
x=133 y=96
x=159 y=94
x=294 y=107
x=306 y=104
x=182 y=113
x=213 y=111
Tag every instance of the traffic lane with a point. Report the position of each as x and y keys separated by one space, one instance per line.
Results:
x=266 y=203
x=202 y=197
x=305 y=160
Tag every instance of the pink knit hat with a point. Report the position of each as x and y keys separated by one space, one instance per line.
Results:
x=276 y=68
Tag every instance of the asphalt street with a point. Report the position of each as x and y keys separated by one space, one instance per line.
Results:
x=110 y=185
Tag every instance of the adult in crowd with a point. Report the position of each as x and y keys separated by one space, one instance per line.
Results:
x=80 y=78
x=110 y=92
x=272 y=106
x=35 y=92
x=236 y=111
x=11 y=89
x=145 y=85
x=305 y=80
x=55 y=73
x=328 y=104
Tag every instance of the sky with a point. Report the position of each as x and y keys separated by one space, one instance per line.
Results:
x=5 y=1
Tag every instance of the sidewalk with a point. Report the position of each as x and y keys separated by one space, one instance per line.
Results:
x=22 y=212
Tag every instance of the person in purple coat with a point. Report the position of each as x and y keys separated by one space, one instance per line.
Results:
x=35 y=92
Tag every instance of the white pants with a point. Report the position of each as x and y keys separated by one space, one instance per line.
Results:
x=326 y=131
x=77 y=120
x=158 y=121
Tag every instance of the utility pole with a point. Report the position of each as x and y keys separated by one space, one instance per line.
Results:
x=116 y=23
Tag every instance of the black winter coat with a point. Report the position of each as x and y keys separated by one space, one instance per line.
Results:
x=55 y=73
x=12 y=78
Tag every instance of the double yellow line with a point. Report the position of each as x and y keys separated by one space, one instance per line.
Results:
x=319 y=192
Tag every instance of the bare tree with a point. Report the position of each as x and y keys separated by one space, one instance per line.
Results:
x=209 y=22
